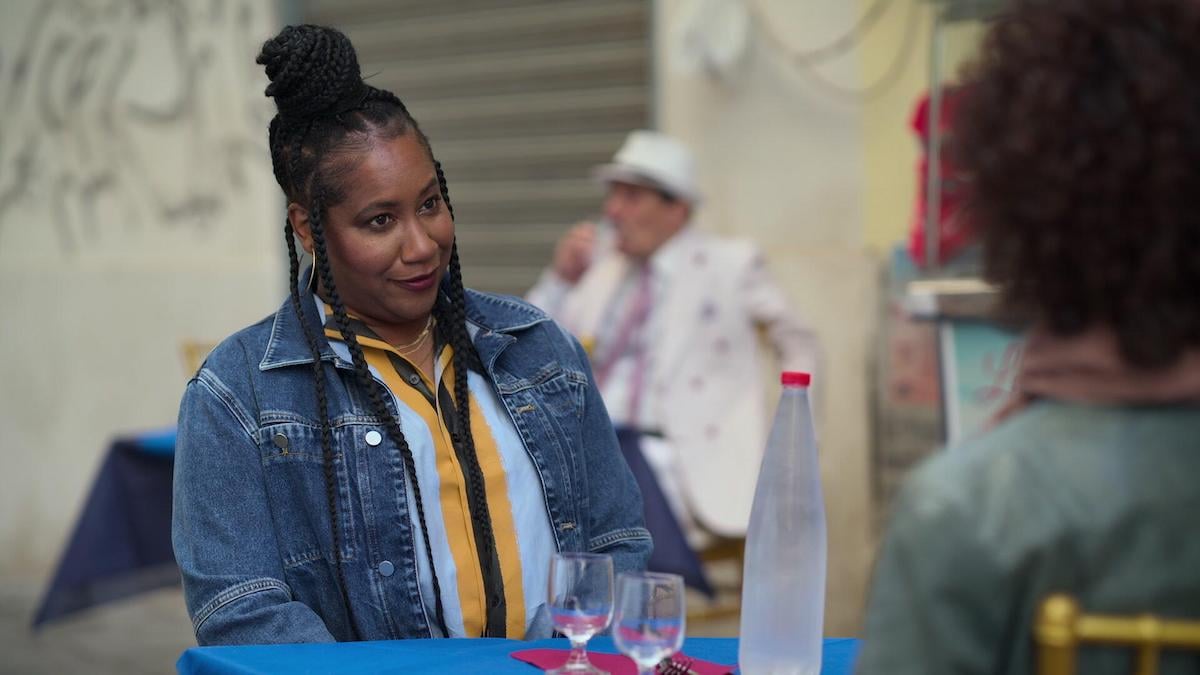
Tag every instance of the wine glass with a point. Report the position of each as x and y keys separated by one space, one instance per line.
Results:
x=581 y=602
x=649 y=621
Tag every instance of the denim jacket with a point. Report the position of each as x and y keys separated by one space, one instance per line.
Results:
x=251 y=524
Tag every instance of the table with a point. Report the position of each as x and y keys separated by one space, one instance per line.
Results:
x=121 y=544
x=483 y=655
x=671 y=553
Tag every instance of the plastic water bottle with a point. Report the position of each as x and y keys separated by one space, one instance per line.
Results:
x=783 y=586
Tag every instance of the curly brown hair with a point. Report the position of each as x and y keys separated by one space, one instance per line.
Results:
x=1080 y=134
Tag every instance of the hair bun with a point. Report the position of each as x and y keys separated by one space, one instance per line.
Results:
x=313 y=71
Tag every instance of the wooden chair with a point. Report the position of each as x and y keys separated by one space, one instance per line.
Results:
x=729 y=553
x=193 y=353
x=1061 y=628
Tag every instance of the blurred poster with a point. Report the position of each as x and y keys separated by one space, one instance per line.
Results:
x=979 y=364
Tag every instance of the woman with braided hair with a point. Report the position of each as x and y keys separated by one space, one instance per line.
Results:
x=388 y=455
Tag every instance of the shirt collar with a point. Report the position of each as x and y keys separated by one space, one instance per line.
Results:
x=492 y=320
x=673 y=253
x=287 y=346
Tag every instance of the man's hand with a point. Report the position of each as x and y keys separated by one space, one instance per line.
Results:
x=573 y=253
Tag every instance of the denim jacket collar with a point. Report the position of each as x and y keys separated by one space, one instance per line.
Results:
x=491 y=319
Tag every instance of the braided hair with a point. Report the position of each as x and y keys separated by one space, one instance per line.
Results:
x=326 y=111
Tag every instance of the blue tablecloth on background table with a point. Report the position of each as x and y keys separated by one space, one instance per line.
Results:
x=671 y=553
x=121 y=544
x=482 y=655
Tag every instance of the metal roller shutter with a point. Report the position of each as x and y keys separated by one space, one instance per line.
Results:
x=520 y=98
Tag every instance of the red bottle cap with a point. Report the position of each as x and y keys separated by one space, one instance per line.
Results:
x=791 y=378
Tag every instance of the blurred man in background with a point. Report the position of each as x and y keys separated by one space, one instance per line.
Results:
x=672 y=318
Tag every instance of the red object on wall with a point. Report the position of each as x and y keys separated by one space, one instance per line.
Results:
x=954 y=233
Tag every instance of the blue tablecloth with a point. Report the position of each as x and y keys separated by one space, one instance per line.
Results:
x=441 y=656
x=121 y=544
x=671 y=553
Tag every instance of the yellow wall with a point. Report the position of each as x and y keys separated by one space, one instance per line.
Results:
x=780 y=162
x=824 y=182
x=889 y=147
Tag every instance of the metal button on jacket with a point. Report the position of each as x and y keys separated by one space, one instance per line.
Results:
x=373 y=438
x=414 y=379
x=280 y=441
x=386 y=568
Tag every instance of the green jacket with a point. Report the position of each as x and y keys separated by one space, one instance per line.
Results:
x=1101 y=503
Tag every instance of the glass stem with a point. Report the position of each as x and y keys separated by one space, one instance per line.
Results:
x=578 y=659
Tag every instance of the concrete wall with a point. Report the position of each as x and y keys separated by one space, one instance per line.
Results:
x=137 y=212
x=782 y=163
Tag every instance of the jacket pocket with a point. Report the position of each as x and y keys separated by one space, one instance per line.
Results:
x=553 y=389
x=548 y=412
x=298 y=482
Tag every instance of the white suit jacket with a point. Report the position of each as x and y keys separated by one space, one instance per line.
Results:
x=706 y=362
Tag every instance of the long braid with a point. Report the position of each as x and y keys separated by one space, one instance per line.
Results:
x=373 y=389
x=452 y=313
x=327 y=457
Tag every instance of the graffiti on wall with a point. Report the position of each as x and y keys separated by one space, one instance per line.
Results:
x=123 y=117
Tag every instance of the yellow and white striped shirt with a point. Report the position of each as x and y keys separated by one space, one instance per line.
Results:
x=512 y=489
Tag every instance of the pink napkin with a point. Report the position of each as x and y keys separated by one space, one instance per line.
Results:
x=613 y=663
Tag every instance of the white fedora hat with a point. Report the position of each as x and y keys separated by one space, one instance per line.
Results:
x=654 y=159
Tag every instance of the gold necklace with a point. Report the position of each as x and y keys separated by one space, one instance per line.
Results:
x=416 y=344
x=410 y=352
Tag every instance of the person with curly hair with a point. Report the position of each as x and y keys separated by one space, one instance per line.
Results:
x=1080 y=134
x=389 y=455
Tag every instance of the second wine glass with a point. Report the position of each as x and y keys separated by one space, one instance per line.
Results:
x=581 y=603
x=649 y=620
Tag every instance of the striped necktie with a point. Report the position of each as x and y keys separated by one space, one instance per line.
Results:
x=627 y=337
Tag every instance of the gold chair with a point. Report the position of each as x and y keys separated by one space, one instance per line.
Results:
x=1061 y=628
